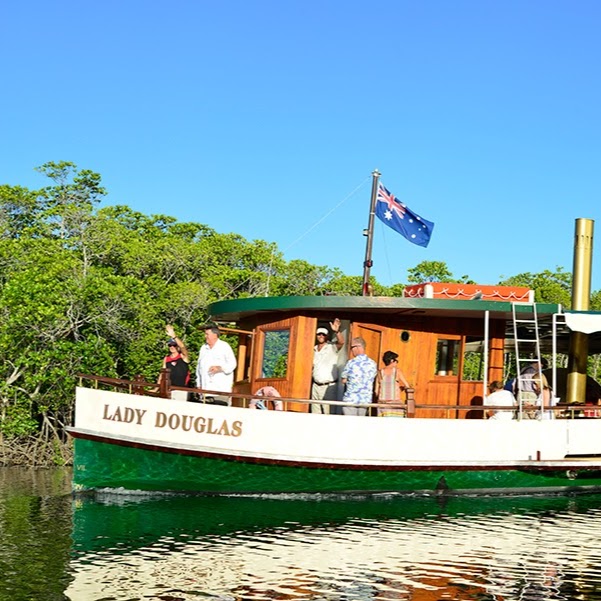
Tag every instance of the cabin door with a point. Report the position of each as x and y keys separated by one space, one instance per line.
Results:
x=373 y=339
x=282 y=357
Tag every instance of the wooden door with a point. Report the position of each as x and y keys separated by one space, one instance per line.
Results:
x=373 y=339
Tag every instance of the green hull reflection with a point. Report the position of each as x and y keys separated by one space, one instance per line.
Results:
x=101 y=465
x=123 y=523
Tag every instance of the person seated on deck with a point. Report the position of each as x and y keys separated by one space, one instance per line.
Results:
x=499 y=397
x=528 y=390
x=510 y=385
x=389 y=384
x=266 y=392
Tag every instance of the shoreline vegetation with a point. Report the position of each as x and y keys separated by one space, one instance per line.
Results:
x=36 y=451
x=88 y=290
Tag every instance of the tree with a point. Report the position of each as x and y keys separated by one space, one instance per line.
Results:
x=67 y=205
x=19 y=211
x=89 y=290
x=548 y=286
x=430 y=271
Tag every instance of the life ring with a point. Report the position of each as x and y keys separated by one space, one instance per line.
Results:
x=268 y=395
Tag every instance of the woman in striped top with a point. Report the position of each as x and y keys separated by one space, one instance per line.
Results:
x=389 y=383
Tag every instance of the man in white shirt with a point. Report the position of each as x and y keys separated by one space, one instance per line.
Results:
x=325 y=367
x=216 y=365
x=499 y=397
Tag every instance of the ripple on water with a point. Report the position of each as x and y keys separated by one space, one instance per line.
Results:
x=548 y=552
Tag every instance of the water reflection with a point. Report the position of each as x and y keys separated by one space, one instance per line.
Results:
x=56 y=546
x=332 y=549
x=35 y=533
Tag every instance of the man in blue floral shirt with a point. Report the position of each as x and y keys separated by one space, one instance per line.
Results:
x=358 y=374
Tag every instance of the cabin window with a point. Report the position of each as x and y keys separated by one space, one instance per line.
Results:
x=447 y=357
x=473 y=359
x=275 y=354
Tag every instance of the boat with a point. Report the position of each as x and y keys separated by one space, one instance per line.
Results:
x=452 y=341
x=133 y=440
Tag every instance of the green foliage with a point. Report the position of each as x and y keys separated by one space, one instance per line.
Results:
x=395 y=290
x=429 y=271
x=275 y=354
x=596 y=301
x=345 y=285
x=89 y=290
x=299 y=278
x=17 y=420
x=18 y=211
x=473 y=365
x=548 y=287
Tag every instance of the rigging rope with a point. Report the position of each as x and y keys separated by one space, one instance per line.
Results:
x=385 y=245
x=335 y=208
x=329 y=213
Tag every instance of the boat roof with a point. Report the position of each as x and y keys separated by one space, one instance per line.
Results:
x=239 y=308
x=585 y=321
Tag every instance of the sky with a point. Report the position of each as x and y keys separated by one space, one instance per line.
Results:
x=266 y=118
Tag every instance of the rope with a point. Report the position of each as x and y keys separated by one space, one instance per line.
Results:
x=383 y=229
x=335 y=208
x=329 y=213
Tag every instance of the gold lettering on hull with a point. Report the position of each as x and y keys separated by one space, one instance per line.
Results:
x=124 y=414
x=174 y=421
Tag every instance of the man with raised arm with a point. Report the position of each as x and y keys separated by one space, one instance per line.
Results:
x=325 y=367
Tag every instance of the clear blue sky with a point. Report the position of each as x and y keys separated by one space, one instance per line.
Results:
x=266 y=118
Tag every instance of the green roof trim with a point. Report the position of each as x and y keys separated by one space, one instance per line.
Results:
x=235 y=309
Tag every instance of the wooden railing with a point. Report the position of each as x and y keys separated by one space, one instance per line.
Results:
x=139 y=386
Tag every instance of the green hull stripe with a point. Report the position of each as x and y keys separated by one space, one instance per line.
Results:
x=102 y=465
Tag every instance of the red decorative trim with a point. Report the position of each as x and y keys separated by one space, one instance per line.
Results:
x=468 y=292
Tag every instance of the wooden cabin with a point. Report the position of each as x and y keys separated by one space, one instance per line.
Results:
x=452 y=339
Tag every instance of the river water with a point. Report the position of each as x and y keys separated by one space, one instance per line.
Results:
x=108 y=546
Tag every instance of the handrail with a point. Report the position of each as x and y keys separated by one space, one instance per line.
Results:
x=138 y=385
x=235 y=331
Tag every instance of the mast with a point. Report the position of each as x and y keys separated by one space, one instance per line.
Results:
x=367 y=291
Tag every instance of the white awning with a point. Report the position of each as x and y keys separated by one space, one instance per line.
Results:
x=587 y=323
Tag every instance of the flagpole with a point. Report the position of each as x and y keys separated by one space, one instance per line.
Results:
x=367 y=290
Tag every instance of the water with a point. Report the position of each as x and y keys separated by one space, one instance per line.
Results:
x=122 y=547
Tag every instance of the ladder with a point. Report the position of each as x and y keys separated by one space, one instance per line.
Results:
x=527 y=351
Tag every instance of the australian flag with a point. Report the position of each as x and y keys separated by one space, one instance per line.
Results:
x=402 y=219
